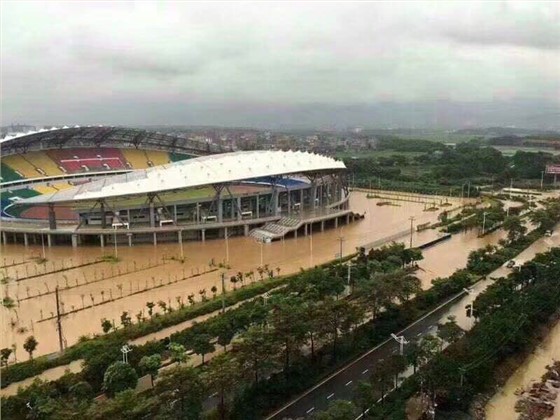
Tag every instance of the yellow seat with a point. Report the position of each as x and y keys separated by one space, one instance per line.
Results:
x=43 y=161
x=19 y=164
x=136 y=158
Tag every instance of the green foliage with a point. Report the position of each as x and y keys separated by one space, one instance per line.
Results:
x=337 y=410
x=30 y=345
x=149 y=365
x=119 y=377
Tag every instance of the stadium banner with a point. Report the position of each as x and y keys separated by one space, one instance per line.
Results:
x=553 y=169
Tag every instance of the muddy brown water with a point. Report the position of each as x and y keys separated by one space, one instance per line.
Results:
x=502 y=404
x=244 y=255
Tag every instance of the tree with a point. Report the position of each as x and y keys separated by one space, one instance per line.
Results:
x=5 y=355
x=396 y=365
x=413 y=353
x=30 y=346
x=288 y=324
x=513 y=225
x=118 y=377
x=223 y=377
x=450 y=331
x=178 y=354
x=150 y=306
x=542 y=219
x=126 y=405
x=381 y=379
x=338 y=316
x=363 y=396
x=201 y=345
x=106 y=325
x=337 y=410
x=149 y=365
x=181 y=392
x=256 y=352
x=126 y=320
x=214 y=290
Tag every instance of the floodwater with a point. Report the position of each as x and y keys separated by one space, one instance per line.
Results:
x=99 y=283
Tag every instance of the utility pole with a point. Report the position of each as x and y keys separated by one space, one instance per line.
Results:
x=58 y=323
x=411 y=218
x=223 y=292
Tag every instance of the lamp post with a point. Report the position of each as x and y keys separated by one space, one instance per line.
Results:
x=483 y=223
x=125 y=350
x=401 y=340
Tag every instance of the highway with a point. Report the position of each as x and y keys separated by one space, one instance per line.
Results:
x=341 y=384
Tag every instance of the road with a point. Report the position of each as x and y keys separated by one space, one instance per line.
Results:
x=341 y=384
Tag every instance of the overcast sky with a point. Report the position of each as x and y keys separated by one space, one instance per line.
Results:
x=281 y=64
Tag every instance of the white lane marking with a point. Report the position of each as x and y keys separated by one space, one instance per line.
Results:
x=365 y=371
x=419 y=334
x=310 y=410
x=214 y=395
x=348 y=383
x=330 y=396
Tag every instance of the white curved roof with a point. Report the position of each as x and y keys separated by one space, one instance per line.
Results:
x=205 y=170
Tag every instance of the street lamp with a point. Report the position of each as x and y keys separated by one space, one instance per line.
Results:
x=483 y=223
x=401 y=340
x=125 y=350
x=341 y=240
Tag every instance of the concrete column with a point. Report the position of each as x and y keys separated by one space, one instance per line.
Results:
x=102 y=240
x=155 y=238
x=5 y=238
x=152 y=215
x=175 y=213
x=295 y=233
x=322 y=225
x=348 y=218
x=232 y=215
x=49 y=240
x=275 y=201
x=220 y=210
x=305 y=229
x=301 y=199
x=313 y=194
x=289 y=203
x=238 y=208
x=25 y=239
x=74 y=241
x=258 y=209
x=103 y=219
x=246 y=230
x=129 y=239
x=335 y=222
x=52 y=217
x=203 y=234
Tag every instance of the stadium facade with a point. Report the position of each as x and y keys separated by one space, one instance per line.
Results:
x=106 y=184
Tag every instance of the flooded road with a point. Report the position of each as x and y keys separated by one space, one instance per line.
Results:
x=106 y=290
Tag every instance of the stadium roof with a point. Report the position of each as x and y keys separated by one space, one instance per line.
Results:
x=99 y=136
x=205 y=170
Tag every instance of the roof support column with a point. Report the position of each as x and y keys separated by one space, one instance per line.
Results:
x=152 y=215
x=103 y=219
x=257 y=209
x=52 y=217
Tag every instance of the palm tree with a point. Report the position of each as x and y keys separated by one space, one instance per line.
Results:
x=234 y=281
x=103 y=296
x=214 y=290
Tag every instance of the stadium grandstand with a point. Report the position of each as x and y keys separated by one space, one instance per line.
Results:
x=89 y=185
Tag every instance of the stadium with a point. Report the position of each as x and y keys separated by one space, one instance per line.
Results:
x=104 y=185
